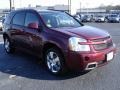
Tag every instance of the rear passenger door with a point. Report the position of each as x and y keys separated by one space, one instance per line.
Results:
x=34 y=39
x=17 y=32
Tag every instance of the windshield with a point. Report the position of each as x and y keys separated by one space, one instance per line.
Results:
x=59 y=20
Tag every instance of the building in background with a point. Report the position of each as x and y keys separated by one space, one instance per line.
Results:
x=38 y=7
x=91 y=11
x=56 y=7
x=84 y=11
x=4 y=12
x=115 y=11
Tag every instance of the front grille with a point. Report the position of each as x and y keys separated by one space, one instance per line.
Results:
x=103 y=46
x=101 y=39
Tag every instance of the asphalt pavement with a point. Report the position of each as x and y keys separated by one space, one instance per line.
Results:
x=21 y=71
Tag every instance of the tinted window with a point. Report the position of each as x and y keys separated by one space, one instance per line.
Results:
x=31 y=18
x=9 y=18
x=19 y=18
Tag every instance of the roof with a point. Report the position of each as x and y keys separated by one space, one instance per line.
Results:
x=36 y=10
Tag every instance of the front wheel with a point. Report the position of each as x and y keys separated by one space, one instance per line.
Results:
x=55 y=61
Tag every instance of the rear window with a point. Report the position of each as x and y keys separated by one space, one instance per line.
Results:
x=19 y=19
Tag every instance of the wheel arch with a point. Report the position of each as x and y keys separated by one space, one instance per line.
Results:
x=49 y=45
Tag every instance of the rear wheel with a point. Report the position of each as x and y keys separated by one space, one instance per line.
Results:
x=8 y=45
x=55 y=61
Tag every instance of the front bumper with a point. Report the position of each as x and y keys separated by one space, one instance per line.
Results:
x=88 y=61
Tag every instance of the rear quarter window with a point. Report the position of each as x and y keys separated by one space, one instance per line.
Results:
x=9 y=18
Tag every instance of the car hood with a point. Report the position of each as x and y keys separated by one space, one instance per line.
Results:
x=86 y=32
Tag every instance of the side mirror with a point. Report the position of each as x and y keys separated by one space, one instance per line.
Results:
x=33 y=25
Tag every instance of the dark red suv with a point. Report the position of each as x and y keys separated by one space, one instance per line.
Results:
x=59 y=39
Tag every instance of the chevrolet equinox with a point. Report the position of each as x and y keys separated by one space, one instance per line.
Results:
x=59 y=39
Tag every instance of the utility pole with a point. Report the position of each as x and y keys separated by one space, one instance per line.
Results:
x=20 y=3
x=10 y=1
x=13 y=4
x=69 y=6
x=80 y=7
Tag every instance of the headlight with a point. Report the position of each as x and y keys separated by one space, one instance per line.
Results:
x=74 y=44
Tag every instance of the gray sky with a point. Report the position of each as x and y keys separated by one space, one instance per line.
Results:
x=75 y=3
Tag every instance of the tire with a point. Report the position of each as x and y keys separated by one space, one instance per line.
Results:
x=8 y=45
x=55 y=62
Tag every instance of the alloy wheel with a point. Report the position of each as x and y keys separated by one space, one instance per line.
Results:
x=7 y=45
x=53 y=62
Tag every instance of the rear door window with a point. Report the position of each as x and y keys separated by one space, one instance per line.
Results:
x=19 y=19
